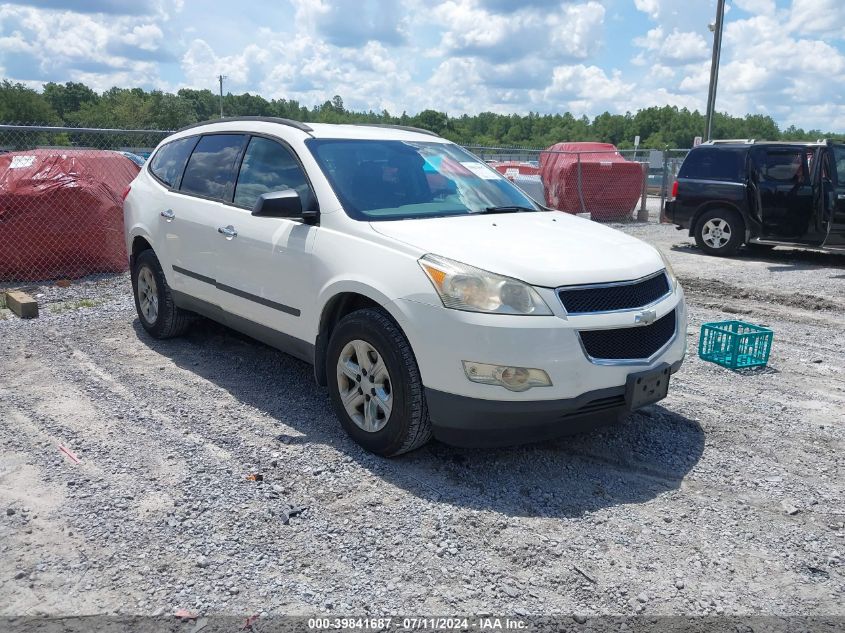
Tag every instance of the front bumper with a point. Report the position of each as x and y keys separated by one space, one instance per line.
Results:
x=472 y=422
x=585 y=393
x=442 y=339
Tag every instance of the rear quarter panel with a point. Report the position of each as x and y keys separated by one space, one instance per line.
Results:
x=697 y=196
x=141 y=216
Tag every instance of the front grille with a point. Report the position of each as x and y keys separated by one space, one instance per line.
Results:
x=630 y=342
x=624 y=296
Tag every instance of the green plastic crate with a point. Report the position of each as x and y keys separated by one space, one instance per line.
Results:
x=735 y=344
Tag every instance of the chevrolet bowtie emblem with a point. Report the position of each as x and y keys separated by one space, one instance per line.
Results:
x=646 y=317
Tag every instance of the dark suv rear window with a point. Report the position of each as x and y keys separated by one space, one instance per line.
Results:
x=711 y=163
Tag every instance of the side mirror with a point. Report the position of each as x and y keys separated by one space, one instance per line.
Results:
x=282 y=204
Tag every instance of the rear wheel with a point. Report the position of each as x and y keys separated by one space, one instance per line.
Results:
x=720 y=232
x=375 y=384
x=158 y=313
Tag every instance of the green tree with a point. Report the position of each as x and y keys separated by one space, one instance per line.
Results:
x=19 y=104
x=68 y=97
x=658 y=126
x=205 y=103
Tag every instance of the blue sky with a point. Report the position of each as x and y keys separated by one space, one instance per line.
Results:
x=785 y=58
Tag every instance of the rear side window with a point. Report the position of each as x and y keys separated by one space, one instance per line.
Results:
x=784 y=166
x=713 y=164
x=211 y=168
x=268 y=166
x=169 y=161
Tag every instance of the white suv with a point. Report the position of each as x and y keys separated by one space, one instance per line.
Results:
x=432 y=296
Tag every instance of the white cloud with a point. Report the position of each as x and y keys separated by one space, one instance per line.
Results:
x=304 y=68
x=756 y=6
x=39 y=45
x=452 y=55
x=144 y=36
x=577 y=31
x=675 y=48
x=818 y=17
x=569 y=31
x=589 y=88
x=652 y=7
x=353 y=23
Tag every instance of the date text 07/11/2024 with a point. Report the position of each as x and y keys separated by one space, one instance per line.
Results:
x=485 y=623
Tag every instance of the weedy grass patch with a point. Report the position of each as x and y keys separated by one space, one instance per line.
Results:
x=67 y=306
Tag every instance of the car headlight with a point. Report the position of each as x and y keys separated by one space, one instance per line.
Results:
x=670 y=272
x=464 y=287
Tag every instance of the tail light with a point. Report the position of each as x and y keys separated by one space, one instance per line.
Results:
x=675 y=189
x=129 y=188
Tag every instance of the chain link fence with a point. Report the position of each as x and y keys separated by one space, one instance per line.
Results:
x=607 y=185
x=61 y=199
x=62 y=189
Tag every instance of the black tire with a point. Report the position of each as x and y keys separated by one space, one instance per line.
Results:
x=729 y=221
x=170 y=320
x=408 y=426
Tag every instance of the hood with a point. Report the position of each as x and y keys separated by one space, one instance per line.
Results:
x=543 y=249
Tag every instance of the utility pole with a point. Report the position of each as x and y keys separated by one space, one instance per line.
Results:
x=714 y=66
x=220 y=78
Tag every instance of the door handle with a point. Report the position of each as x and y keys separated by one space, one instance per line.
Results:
x=168 y=215
x=840 y=196
x=227 y=231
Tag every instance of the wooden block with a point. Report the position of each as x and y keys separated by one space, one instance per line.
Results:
x=22 y=304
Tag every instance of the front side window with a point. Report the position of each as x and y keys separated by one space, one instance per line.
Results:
x=170 y=159
x=395 y=180
x=211 y=168
x=268 y=166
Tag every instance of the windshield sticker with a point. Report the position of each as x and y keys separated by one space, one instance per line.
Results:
x=19 y=162
x=481 y=171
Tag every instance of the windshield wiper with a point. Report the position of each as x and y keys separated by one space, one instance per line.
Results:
x=508 y=208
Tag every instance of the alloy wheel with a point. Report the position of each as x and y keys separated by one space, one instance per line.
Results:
x=716 y=232
x=364 y=384
x=148 y=295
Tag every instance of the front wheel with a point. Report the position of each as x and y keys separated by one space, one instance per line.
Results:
x=720 y=232
x=375 y=384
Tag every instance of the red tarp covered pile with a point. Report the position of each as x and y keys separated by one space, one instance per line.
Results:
x=61 y=213
x=610 y=185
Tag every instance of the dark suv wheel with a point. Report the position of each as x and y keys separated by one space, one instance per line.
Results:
x=720 y=232
x=375 y=384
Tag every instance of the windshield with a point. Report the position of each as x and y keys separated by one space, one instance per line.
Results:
x=396 y=180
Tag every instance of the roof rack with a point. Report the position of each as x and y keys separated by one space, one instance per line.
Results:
x=266 y=119
x=752 y=141
x=406 y=128
x=733 y=141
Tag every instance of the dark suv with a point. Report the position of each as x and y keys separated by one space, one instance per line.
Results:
x=762 y=194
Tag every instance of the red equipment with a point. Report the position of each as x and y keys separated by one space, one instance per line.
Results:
x=513 y=169
x=610 y=185
x=61 y=213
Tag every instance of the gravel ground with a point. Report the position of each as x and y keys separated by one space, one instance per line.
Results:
x=725 y=498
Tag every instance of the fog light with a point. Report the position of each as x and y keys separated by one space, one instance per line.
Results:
x=512 y=378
